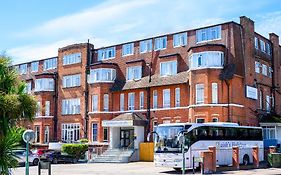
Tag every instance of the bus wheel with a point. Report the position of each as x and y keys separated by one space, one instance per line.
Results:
x=177 y=169
x=246 y=159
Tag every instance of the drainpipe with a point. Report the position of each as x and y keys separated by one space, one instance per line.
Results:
x=148 y=99
x=87 y=91
x=55 y=119
x=273 y=87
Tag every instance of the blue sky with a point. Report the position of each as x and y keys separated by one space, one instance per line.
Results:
x=35 y=29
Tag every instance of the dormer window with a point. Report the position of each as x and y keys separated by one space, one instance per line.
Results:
x=160 y=43
x=102 y=75
x=168 y=68
x=134 y=73
x=106 y=53
x=208 y=34
x=128 y=49
x=146 y=46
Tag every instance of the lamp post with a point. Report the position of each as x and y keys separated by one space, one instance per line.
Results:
x=28 y=136
x=181 y=140
x=148 y=97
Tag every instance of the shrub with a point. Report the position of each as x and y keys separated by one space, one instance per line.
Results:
x=76 y=150
x=84 y=141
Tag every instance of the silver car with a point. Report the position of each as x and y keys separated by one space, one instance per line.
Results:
x=21 y=156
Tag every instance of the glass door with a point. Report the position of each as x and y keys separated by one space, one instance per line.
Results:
x=126 y=137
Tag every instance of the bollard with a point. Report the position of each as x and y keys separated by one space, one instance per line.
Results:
x=235 y=157
x=207 y=167
x=272 y=149
x=256 y=160
x=214 y=165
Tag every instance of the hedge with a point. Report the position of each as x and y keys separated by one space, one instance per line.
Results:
x=76 y=150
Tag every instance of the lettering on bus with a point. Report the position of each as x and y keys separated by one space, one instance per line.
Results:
x=230 y=144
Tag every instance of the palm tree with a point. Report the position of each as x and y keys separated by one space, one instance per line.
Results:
x=15 y=105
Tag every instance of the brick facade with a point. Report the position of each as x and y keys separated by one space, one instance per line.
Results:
x=237 y=43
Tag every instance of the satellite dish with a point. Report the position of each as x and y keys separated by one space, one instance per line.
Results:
x=227 y=72
x=28 y=136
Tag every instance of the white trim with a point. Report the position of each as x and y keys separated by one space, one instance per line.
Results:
x=200 y=68
x=41 y=116
x=173 y=108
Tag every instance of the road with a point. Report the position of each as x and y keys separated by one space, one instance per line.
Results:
x=136 y=168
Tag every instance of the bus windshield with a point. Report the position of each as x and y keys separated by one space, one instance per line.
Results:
x=168 y=141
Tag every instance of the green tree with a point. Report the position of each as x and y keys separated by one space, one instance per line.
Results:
x=15 y=105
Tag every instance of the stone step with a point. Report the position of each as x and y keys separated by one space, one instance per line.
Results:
x=114 y=156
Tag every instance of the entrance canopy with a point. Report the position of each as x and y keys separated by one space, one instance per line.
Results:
x=126 y=120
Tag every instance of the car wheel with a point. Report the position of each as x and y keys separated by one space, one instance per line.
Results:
x=35 y=162
x=55 y=161
x=246 y=159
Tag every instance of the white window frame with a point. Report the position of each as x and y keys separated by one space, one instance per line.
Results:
x=262 y=45
x=268 y=48
x=171 y=71
x=268 y=103
x=206 y=34
x=23 y=69
x=34 y=66
x=69 y=81
x=68 y=130
x=47 y=108
x=257 y=67
x=106 y=53
x=155 y=99
x=122 y=102
x=73 y=58
x=180 y=39
x=207 y=59
x=28 y=87
x=38 y=111
x=71 y=106
x=160 y=43
x=105 y=139
x=44 y=84
x=95 y=135
x=46 y=133
x=177 y=97
x=50 y=64
x=215 y=93
x=128 y=49
x=136 y=72
x=166 y=98
x=141 y=100
x=261 y=99
x=264 y=69
x=105 y=102
x=256 y=43
x=95 y=102
x=131 y=101
x=145 y=46
x=102 y=75
x=199 y=88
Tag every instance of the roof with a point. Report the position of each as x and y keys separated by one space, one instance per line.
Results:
x=156 y=80
x=129 y=116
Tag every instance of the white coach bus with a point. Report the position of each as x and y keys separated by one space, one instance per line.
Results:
x=198 y=137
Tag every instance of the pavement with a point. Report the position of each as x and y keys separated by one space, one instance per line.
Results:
x=135 y=168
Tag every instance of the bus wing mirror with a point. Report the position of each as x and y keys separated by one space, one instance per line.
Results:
x=181 y=138
x=148 y=137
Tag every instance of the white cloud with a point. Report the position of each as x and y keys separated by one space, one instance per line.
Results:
x=117 y=21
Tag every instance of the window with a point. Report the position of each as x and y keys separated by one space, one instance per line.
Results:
x=155 y=99
x=215 y=93
x=160 y=43
x=177 y=97
x=200 y=120
x=71 y=106
x=44 y=84
x=71 y=80
x=106 y=53
x=131 y=101
x=70 y=132
x=257 y=67
x=128 y=49
x=168 y=68
x=215 y=119
x=50 y=64
x=141 y=100
x=38 y=112
x=261 y=99
x=166 y=98
x=34 y=66
x=180 y=39
x=269 y=132
x=208 y=34
x=262 y=45
x=105 y=102
x=102 y=75
x=264 y=69
x=122 y=100
x=134 y=73
x=23 y=69
x=268 y=49
x=268 y=103
x=256 y=43
x=37 y=134
x=28 y=88
x=95 y=132
x=206 y=59
x=105 y=134
x=17 y=68
x=146 y=46
x=72 y=58
x=47 y=108
x=270 y=71
x=199 y=93
x=47 y=134
x=95 y=102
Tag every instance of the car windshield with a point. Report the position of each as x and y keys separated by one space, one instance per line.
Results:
x=168 y=141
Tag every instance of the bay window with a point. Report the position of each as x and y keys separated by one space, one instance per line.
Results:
x=166 y=98
x=95 y=101
x=44 y=84
x=177 y=97
x=131 y=101
x=214 y=92
x=207 y=59
x=199 y=93
x=102 y=75
x=105 y=102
